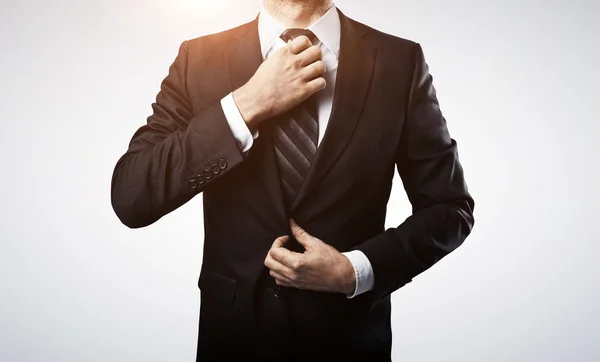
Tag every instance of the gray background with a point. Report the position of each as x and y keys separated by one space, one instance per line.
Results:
x=515 y=79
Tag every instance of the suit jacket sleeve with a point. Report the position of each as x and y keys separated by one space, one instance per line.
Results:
x=427 y=161
x=175 y=155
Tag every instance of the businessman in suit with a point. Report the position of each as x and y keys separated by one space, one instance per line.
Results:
x=291 y=127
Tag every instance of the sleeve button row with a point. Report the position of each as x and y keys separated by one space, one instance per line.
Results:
x=192 y=184
x=201 y=178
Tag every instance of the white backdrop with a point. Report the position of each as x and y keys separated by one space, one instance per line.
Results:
x=516 y=81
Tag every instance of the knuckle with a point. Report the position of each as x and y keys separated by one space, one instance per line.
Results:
x=317 y=50
x=321 y=66
x=295 y=84
x=296 y=265
x=300 y=265
x=293 y=64
x=289 y=65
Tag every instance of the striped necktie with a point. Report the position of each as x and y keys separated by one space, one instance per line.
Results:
x=295 y=136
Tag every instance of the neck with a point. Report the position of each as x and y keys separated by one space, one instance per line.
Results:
x=297 y=13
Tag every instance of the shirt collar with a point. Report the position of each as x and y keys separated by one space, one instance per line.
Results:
x=327 y=29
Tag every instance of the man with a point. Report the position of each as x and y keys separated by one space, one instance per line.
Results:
x=291 y=126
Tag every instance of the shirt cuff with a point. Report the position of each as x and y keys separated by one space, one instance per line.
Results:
x=236 y=122
x=363 y=271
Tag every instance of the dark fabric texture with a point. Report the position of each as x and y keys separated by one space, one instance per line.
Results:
x=385 y=118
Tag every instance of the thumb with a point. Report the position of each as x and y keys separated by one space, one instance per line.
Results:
x=304 y=238
x=281 y=241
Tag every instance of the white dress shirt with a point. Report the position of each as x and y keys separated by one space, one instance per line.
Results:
x=328 y=31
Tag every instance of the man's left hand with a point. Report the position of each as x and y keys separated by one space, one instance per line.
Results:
x=320 y=267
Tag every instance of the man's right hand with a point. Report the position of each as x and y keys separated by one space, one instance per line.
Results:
x=287 y=78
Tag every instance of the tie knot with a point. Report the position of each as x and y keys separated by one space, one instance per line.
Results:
x=291 y=34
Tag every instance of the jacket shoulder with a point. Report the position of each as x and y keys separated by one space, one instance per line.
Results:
x=385 y=40
x=213 y=42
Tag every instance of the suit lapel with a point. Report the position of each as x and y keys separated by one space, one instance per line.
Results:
x=355 y=68
x=243 y=59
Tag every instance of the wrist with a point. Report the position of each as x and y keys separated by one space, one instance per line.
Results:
x=249 y=111
x=348 y=277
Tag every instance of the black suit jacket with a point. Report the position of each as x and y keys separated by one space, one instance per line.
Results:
x=385 y=116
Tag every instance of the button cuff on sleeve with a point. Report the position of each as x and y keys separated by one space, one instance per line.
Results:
x=363 y=270
x=238 y=126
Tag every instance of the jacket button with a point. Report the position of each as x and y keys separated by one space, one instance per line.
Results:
x=200 y=179
x=277 y=293
x=207 y=174
x=215 y=169
x=193 y=184
x=222 y=164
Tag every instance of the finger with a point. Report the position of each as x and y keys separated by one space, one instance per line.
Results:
x=315 y=85
x=304 y=238
x=283 y=283
x=289 y=259
x=280 y=241
x=299 y=44
x=281 y=277
x=278 y=267
x=314 y=70
x=310 y=55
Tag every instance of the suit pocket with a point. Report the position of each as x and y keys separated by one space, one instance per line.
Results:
x=217 y=287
